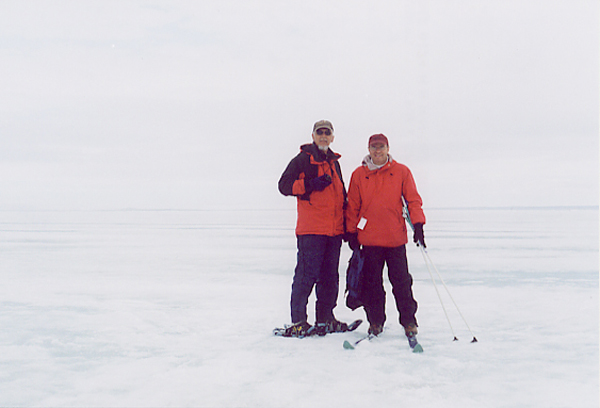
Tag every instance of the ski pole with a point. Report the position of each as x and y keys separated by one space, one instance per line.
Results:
x=406 y=215
x=425 y=253
x=438 y=292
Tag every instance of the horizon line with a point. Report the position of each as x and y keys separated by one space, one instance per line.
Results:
x=530 y=207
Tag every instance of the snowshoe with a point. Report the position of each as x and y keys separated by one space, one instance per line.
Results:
x=299 y=330
x=335 y=326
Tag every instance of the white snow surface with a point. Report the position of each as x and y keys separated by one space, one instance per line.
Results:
x=177 y=308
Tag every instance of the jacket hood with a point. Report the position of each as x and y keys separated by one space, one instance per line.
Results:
x=368 y=162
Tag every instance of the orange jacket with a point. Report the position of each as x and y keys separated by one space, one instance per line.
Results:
x=376 y=195
x=319 y=212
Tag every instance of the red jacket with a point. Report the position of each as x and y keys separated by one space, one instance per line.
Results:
x=376 y=195
x=319 y=212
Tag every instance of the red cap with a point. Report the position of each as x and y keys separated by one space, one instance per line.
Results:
x=379 y=138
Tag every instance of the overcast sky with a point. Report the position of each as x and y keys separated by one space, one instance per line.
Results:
x=201 y=104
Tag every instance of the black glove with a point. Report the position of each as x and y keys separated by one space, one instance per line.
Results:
x=418 y=236
x=352 y=240
x=319 y=183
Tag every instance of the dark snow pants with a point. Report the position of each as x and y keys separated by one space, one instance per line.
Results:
x=373 y=293
x=318 y=264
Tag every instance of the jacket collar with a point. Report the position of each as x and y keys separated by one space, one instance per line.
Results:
x=317 y=154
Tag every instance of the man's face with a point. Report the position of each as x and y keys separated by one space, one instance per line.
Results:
x=379 y=152
x=323 y=137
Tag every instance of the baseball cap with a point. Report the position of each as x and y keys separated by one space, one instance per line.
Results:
x=379 y=138
x=323 y=124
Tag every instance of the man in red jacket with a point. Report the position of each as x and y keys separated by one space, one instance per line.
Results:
x=314 y=177
x=374 y=219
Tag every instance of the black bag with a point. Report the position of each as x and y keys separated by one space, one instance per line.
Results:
x=353 y=279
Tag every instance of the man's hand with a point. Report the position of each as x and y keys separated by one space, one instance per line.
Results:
x=418 y=236
x=352 y=240
x=319 y=183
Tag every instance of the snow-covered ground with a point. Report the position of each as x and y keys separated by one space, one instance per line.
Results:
x=176 y=308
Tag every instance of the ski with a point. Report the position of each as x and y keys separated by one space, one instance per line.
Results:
x=414 y=344
x=352 y=346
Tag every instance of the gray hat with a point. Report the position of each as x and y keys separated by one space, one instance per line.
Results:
x=323 y=124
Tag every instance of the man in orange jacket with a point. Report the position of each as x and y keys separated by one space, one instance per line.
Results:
x=314 y=177
x=378 y=189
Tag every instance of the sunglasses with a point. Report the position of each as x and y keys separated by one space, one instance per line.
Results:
x=379 y=146
x=326 y=132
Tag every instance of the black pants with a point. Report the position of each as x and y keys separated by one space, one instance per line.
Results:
x=318 y=264
x=372 y=291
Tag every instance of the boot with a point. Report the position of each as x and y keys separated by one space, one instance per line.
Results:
x=375 y=329
x=411 y=330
